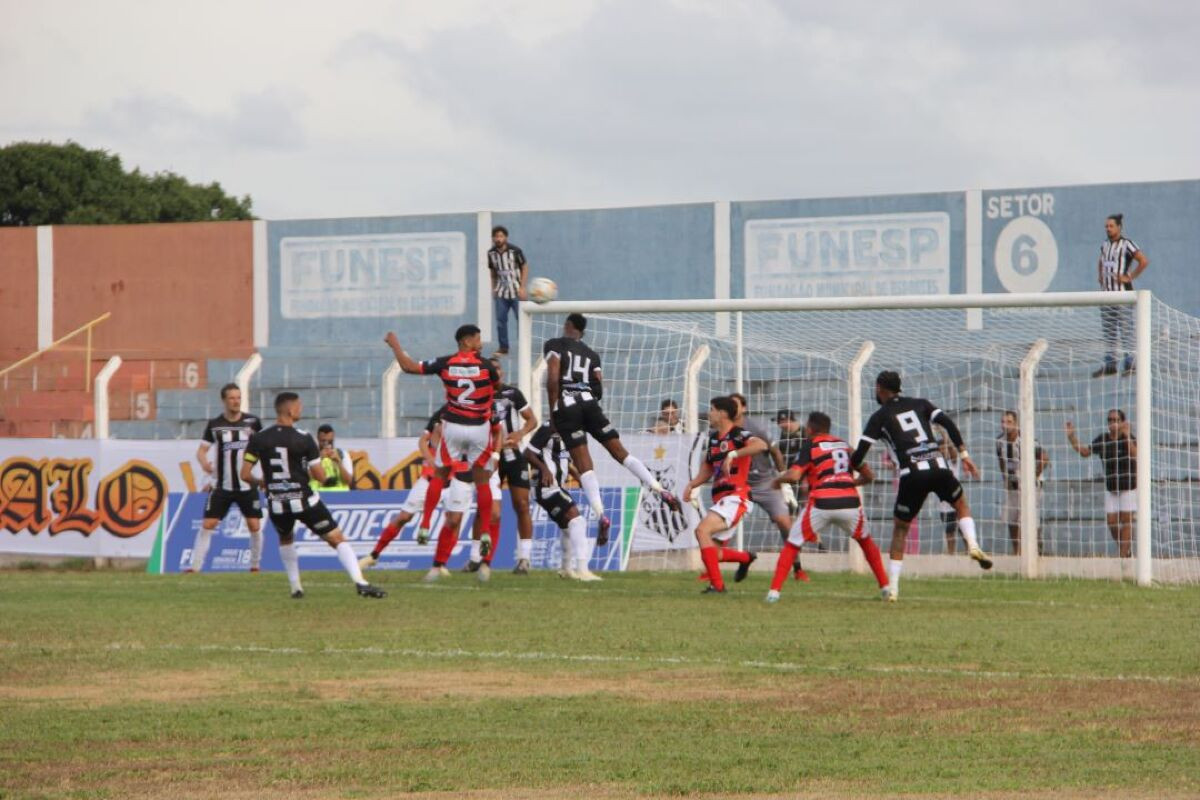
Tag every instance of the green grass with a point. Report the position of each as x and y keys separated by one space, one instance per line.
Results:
x=125 y=685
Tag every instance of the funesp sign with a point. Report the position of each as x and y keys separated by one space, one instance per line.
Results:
x=373 y=275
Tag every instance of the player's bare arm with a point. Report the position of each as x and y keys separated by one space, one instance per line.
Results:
x=202 y=457
x=406 y=362
x=777 y=458
x=865 y=476
x=956 y=439
x=317 y=471
x=535 y=460
x=530 y=425
x=702 y=477
x=553 y=371
x=792 y=475
x=1073 y=440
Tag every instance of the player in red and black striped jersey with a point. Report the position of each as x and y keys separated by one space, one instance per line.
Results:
x=823 y=460
x=470 y=381
x=727 y=464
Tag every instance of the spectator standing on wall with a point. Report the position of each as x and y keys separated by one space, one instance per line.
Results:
x=339 y=472
x=1120 y=263
x=509 y=271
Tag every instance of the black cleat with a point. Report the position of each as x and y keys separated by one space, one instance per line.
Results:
x=367 y=590
x=1107 y=369
x=471 y=566
x=744 y=569
x=485 y=545
x=522 y=567
x=602 y=532
x=298 y=594
x=712 y=590
x=672 y=502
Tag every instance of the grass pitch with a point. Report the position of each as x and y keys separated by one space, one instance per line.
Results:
x=128 y=685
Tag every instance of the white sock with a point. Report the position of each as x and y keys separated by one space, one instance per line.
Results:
x=580 y=544
x=591 y=487
x=200 y=548
x=635 y=465
x=895 y=567
x=524 y=549
x=567 y=562
x=256 y=543
x=967 y=526
x=475 y=550
x=349 y=561
x=291 y=565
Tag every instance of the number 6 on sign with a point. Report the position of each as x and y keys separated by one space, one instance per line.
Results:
x=1026 y=255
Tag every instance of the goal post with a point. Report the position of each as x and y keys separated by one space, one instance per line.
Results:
x=1032 y=354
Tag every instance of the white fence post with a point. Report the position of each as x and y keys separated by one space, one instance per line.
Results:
x=537 y=379
x=525 y=351
x=242 y=379
x=1030 y=515
x=387 y=401
x=100 y=397
x=854 y=423
x=691 y=390
x=1145 y=439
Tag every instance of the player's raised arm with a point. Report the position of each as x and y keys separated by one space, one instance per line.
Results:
x=406 y=362
x=1073 y=440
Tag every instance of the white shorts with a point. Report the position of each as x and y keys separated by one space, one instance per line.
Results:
x=457 y=496
x=415 y=502
x=1115 y=502
x=465 y=444
x=730 y=508
x=816 y=521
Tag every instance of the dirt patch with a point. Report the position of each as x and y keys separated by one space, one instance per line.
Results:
x=109 y=688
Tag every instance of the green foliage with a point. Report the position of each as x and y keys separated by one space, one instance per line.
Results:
x=51 y=184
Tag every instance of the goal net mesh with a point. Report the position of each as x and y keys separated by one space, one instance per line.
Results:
x=799 y=361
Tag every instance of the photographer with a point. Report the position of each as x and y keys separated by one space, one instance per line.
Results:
x=339 y=471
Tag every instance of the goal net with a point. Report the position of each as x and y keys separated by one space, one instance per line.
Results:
x=967 y=354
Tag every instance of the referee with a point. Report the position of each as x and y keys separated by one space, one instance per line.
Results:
x=1116 y=272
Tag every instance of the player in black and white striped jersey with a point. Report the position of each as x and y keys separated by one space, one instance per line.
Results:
x=1121 y=262
x=229 y=433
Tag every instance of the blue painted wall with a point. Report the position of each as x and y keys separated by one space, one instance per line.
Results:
x=653 y=252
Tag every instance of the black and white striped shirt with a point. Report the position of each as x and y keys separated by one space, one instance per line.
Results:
x=1116 y=259
x=506 y=266
x=1008 y=455
x=231 y=439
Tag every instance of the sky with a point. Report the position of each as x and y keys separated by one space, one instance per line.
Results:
x=364 y=107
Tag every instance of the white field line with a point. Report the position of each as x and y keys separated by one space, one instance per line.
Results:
x=565 y=658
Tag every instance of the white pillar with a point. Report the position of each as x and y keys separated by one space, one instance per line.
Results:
x=854 y=423
x=722 y=286
x=261 y=285
x=691 y=390
x=483 y=297
x=1028 y=476
x=525 y=351
x=45 y=286
x=387 y=401
x=1145 y=439
x=973 y=254
x=100 y=397
x=242 y=379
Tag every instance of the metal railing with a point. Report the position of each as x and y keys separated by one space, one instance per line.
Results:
x=87 y=357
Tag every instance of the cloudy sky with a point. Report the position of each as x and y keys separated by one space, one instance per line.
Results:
x=370 y=107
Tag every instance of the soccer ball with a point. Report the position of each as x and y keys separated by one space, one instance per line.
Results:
x=543 y=290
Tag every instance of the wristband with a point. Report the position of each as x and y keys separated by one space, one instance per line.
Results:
x=963 y=454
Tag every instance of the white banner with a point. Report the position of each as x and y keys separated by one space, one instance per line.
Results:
x=376 y=275
x=852 y=256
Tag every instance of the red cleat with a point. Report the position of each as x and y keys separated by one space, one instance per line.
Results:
x=255 y=569
x=800 y=575
x=188 y=571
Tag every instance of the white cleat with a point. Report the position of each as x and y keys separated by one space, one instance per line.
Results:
x=433 y=574
x=587 y=576
x=889 y=595
x=772 y=596
x=367 y=561
x=569 y=574
x=484 y=573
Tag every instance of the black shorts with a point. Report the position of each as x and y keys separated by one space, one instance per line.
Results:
x=315 y=517
x=514 y=470
x=916 y=486
x=220 y=500
x=576 y=421
x=556 y=502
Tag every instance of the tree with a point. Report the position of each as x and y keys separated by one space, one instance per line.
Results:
x=51 y=184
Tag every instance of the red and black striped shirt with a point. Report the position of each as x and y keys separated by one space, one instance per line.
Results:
x=824 y=460
x=470 y=383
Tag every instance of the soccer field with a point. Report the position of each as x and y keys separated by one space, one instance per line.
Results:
x=128 y=685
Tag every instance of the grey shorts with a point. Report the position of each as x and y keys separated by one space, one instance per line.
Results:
x=768 y=498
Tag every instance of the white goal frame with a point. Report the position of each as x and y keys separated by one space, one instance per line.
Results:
x=1030 y=566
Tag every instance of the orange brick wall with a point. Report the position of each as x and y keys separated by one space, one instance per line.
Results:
x=18 y=293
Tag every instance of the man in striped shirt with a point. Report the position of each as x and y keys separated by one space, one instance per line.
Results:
x=230 y=433
x=1116 y=272
x=509 y=271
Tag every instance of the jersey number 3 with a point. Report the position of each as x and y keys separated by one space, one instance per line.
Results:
x=909 y=421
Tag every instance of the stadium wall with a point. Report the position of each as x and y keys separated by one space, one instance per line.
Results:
x=18 y=292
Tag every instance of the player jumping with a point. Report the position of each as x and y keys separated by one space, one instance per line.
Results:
x=574 y=387
x=727 y=464
x=289 y=457
x=906 y=425
x=470 y=382
x=833 y=500
x=229 y=432
x=414 y=504
x=547 y=455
